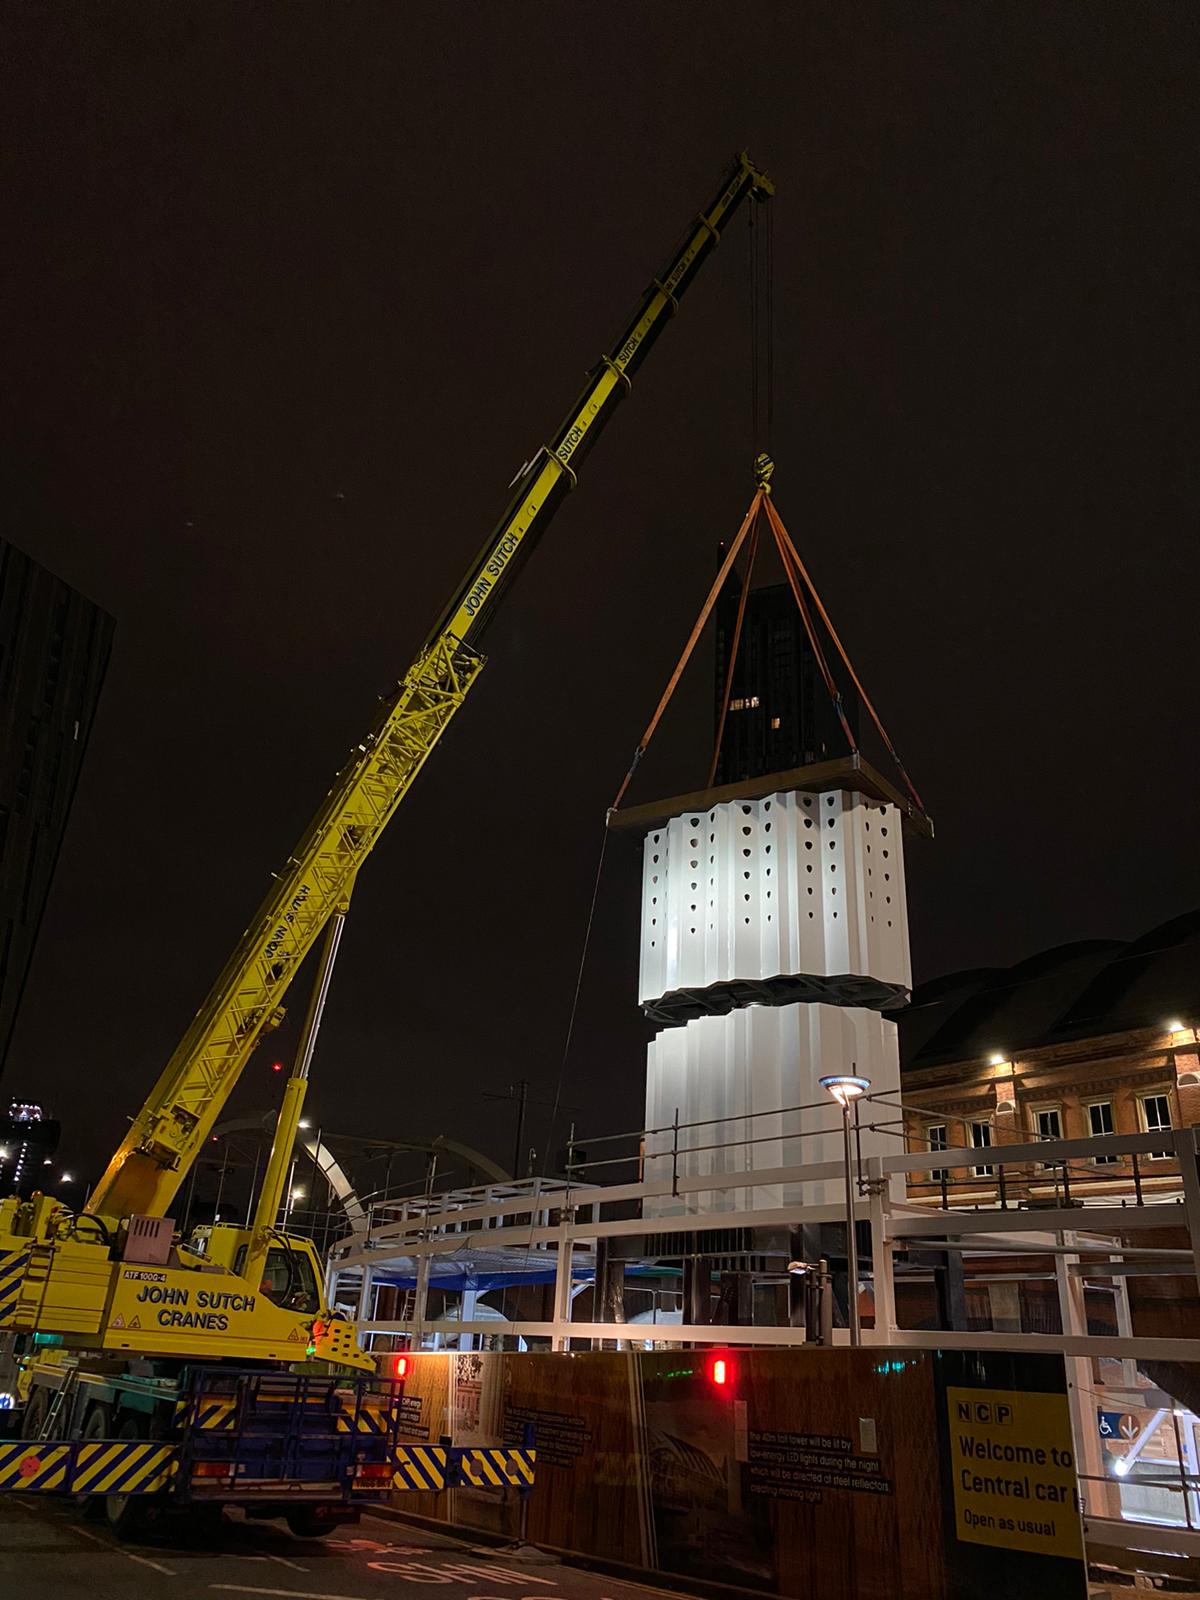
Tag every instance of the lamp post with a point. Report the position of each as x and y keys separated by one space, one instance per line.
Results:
x=846 y=1088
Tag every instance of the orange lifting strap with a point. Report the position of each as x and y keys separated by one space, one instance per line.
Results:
x=803 y=591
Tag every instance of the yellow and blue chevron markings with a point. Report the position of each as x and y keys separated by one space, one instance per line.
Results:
x=216 y=1413
x=419 y=1466
x=124 y=1466
x=128 y=1467
x=487 y=1468
x=12 y=1270
x=31 y=1465
x=370 y=1419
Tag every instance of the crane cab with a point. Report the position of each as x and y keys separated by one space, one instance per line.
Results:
x=291 y=1275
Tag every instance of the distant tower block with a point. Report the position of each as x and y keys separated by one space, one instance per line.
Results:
x=782 y=898
x=764 y=1059
x=774 y=934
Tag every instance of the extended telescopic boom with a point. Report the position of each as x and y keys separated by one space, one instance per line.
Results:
x=178 y=1116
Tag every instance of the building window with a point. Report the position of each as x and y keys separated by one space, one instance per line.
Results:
x=935 y=1136
x=1155 y=1110
x=981 y=1139
x=1047 y=1122
x=746 y=702
x=1100 y=1122
x=776 y=724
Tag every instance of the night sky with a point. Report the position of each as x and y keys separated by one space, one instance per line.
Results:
x=292 y=291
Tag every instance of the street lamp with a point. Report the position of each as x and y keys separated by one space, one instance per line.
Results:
x=846 y=1088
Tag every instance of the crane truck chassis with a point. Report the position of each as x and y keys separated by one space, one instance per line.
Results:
x=150 y=1369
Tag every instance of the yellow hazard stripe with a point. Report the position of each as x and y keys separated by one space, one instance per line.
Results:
x=123 y=1467
x=420 y=1467
x=33 y=1466
x=93 y=1459
x=12 y=1272
x=217 y=1414
x=495 y=1467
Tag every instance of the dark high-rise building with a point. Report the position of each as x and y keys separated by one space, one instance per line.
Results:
x=54 y=647
x=28 y=1138
x=780 y=712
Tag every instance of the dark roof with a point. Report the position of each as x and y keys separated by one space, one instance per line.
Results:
x=1074 y=991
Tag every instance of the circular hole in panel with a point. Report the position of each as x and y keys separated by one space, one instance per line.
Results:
x=746 y=831
x=745 y=852
x=695 y=822
x=746 y=811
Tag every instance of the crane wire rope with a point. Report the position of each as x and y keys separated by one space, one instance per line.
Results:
x=749 y=526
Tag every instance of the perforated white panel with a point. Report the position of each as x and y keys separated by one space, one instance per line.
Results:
x=793 y=884
x=762 y=1059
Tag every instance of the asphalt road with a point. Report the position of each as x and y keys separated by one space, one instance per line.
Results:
x=48 y=1552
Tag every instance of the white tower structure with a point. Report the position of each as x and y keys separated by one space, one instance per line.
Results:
x=774 y=938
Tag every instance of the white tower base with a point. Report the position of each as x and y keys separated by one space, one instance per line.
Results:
x=768 y=1060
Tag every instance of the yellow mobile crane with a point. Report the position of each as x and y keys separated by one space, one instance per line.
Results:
x=121 y=1317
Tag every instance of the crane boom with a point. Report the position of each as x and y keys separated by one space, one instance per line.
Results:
x=177 y=1117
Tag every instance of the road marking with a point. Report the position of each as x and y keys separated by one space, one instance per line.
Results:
x=107 y=1544
x=284 y=1562
x=288 y=1594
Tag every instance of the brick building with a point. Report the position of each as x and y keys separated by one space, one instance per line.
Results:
x=1087 y=1039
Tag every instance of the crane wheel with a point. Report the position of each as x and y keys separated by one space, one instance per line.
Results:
x=127 y=1514
x=96 y=1425
x=305 y=1522
x=35 y=1415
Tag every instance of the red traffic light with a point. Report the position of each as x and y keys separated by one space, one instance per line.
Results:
x=400 y=1367
x=720 y=1371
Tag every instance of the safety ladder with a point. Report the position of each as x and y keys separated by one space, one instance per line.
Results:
x=61 y=1395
